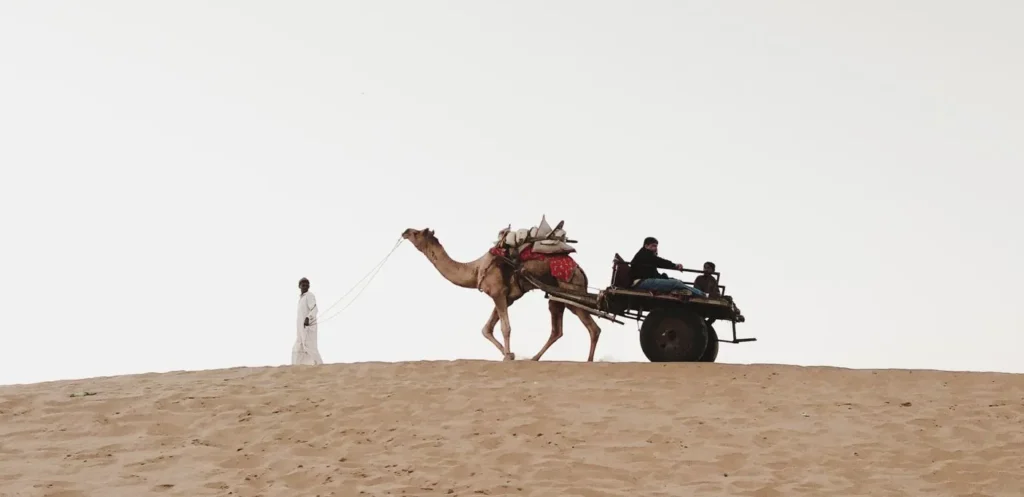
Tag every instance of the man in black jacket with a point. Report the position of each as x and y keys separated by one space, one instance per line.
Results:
x=644 y=270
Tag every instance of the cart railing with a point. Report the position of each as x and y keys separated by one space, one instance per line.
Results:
x=619 y=261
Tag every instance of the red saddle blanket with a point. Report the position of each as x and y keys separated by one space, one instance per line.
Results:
x=562 y=265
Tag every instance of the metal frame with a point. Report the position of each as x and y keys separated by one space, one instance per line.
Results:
x=672 y=299
x=678 y=299
x=599 y=313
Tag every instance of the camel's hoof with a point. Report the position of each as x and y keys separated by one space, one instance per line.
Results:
x=510 y=357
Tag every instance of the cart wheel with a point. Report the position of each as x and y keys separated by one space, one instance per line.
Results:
x=673 y=336
x=711 y=352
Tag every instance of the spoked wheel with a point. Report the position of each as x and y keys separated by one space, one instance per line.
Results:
x=673 y=336
x=711 y=352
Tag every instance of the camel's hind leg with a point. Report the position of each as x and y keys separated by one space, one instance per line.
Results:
x=592 y=327
x=557 y=311
x=579 y=283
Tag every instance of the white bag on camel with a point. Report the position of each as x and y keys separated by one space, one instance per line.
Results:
x=545 y=240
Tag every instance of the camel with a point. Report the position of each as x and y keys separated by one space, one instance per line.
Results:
x=497 y=279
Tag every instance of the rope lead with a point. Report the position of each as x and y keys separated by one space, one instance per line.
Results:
x=371 y=275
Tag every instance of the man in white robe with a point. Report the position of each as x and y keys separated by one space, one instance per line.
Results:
x=305 y=350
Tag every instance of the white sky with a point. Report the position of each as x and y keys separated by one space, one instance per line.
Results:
x=171 y=169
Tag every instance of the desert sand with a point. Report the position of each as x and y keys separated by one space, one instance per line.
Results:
x=469 y=428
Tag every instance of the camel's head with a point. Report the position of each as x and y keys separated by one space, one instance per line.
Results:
x=420 y=238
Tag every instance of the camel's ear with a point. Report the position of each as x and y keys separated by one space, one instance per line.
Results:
x=428 y=231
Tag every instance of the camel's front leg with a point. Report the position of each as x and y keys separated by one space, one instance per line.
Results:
x=592 y=327
x=557 y=311
x=488 y=330
x=501 y=307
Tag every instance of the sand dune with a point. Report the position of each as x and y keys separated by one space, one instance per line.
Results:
x=469 y=428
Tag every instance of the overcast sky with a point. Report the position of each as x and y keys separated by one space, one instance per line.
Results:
x=171 y=169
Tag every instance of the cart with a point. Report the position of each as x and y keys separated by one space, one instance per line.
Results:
x=676 y=326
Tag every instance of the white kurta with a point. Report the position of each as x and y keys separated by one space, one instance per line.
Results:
x=305 y=349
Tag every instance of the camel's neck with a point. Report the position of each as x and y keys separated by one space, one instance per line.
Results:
x=463 y=274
